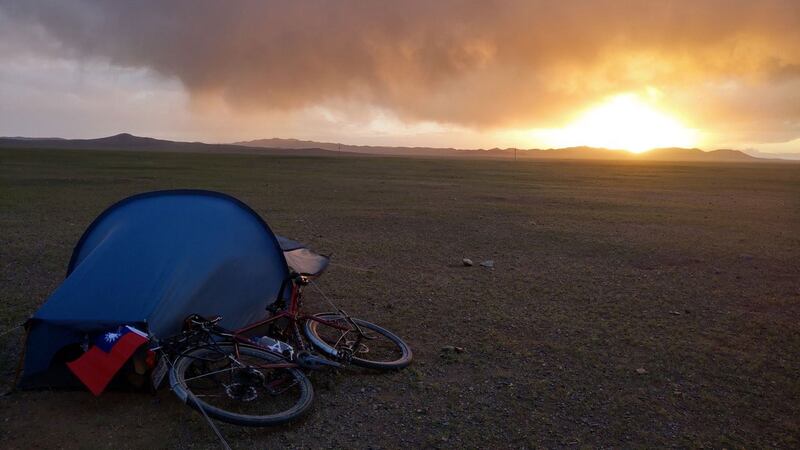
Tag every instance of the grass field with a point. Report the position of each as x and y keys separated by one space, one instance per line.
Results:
x=688 y=271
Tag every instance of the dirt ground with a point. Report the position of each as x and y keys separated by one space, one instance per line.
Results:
x=631 y=304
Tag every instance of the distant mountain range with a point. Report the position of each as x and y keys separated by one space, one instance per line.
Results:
x=766 y=155
x=296 y=147
x=125 y=141
x=661 y=154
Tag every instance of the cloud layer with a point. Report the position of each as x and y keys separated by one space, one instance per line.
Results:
x=729 y=66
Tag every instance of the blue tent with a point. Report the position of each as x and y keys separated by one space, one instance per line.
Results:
x=151 y=260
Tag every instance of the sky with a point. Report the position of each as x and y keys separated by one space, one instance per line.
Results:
x=467 y=74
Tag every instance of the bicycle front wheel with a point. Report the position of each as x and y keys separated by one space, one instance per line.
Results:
x=378 y=348
x=242 y=388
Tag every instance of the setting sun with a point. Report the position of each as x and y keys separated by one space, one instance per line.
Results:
x=623 y=122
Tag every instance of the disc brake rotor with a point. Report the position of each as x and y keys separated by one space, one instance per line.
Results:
x=241 y=392
x=244 y=388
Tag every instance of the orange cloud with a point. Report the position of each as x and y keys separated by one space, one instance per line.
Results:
x=732 y=66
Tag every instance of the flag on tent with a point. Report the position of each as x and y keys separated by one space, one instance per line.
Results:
x=102 y=361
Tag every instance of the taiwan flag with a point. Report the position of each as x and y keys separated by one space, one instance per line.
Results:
x=97 y=367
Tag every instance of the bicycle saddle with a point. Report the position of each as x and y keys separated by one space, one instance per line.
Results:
x=302 y=260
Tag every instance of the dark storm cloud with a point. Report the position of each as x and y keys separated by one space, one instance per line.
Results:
x=474 y=63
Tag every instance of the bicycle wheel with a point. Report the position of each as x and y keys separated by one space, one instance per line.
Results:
x=379 y=349
x=243 y=390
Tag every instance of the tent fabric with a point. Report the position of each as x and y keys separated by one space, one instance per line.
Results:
x=150 y=261
x=302 y=260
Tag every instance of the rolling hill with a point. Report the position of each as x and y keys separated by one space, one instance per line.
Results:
x=126 y=141
x=295 y=147
x=590 y=153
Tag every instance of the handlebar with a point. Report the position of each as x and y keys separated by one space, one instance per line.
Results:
x=196 y=328
x=196 y=320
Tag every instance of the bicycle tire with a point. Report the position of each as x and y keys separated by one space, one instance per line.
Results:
x=219 y=352
x=312 y=328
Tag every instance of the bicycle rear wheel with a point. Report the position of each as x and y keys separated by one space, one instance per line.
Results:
x=379 y=349
x=244 y=389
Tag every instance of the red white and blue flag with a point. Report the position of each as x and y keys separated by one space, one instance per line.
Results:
x=102 y=361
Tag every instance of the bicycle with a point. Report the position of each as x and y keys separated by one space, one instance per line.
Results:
x=225 y=376
x=343 y=339
x=205 y=351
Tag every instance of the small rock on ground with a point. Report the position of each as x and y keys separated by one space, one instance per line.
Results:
x=451 y=348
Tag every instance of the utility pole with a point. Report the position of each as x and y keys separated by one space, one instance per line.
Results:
x=515 y=154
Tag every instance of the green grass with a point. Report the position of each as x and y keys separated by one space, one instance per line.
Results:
x=593 y=261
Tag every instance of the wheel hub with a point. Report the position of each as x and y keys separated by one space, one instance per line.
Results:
x=362 y=348
x=244 y=386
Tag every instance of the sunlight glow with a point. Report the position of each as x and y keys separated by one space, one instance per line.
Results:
x=623 y=122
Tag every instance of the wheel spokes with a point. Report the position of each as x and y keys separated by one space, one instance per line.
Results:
x=241 y=387
x=350 y=341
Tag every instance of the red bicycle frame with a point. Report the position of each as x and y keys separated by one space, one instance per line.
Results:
x=292 y=313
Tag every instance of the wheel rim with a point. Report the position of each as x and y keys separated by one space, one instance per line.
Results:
x=241 y=386
x=376 y=348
